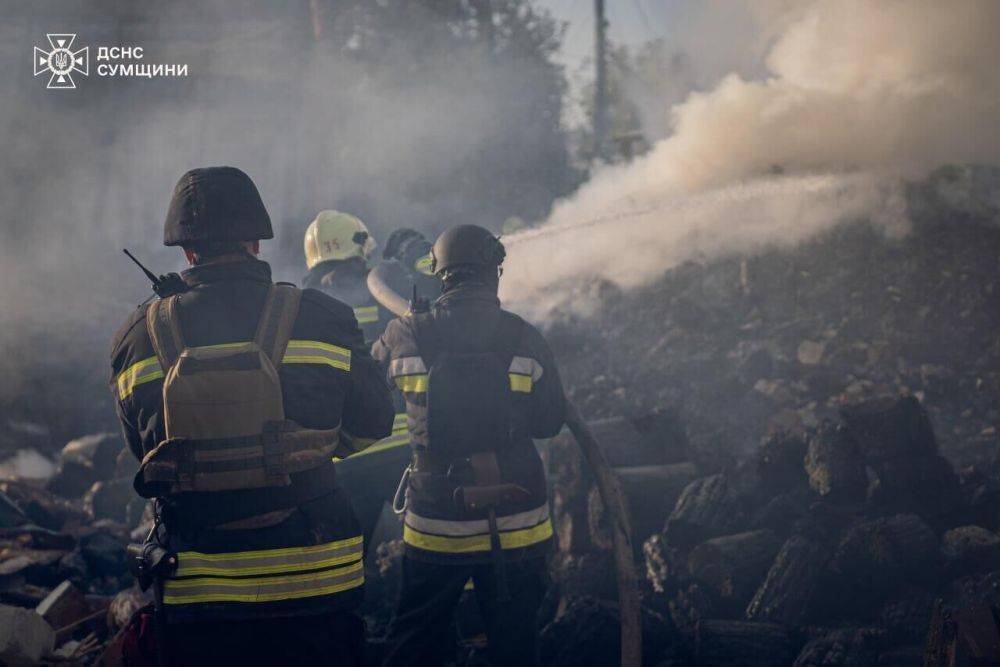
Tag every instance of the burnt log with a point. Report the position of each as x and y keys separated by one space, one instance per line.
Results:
x=789 y=592
x=650 y=492
x=925 y=485
x=689 y=606
x=907 y=616
x=570 y=522
x=834 y=465
x=842 y=648
x=722 y=643
x=590 y=575
x=826 y=521
x=974 y=589
x=779 y=463
x=781 y=513
x=653 y=439
x=664 y=564
x=572 y=481
x=732 y=566
x=588 y=634
x=891 y=428
x=109 y=500
x=874 y=558
x=969 y=549
x=706 y=508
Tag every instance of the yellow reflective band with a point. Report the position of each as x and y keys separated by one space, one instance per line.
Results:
x=298 y=352
x=521 y=383
x=407 y=366
x=138 y=373
x=423 y=265
x=514 y=539
x=317 y=352
x=399 y=421
x=366 y=314
x=391 y=442
x=414 y=383
x=263 y=589
x=221 y=346
x=270 y=561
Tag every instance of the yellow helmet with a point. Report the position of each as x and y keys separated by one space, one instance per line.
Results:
x=336 y=235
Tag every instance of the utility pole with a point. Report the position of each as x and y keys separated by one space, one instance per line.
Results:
x=600 y=81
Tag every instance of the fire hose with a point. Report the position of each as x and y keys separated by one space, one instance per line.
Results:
x=609 y=488
x=616 y=509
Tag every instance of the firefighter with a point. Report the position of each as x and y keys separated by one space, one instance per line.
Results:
x=337 y=249
x=407 y=265
x=235 y=394
x=404 y=273
x=480 y=384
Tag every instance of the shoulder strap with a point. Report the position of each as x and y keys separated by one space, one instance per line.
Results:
x=164 y=330
x=507 y=340
x=281 y=308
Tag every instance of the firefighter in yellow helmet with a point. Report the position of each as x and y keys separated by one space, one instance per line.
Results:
x=338 y=247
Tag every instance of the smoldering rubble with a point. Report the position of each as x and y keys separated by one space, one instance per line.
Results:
x=807 y=439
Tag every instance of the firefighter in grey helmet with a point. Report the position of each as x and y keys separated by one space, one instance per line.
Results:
x=480 y=384
x=265 y=550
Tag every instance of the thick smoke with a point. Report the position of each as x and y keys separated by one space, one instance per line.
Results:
x=857 y=94
x=398 y=114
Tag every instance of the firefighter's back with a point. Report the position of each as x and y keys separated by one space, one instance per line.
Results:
x=235 y=394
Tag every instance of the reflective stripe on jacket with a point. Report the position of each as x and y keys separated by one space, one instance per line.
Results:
x=308 y=561
x=466 y=318
x=266 y=576
x=517 y=531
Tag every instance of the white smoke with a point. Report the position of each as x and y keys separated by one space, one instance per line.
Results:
x=860 y=92
x=27 y=464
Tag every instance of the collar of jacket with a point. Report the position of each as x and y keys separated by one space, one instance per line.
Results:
x=343 y=275
x=250 y=269
x=469 y=292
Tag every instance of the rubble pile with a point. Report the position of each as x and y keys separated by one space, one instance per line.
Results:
x=807 y=440
x=742 y=345
x=827 y=547
x=65 y=587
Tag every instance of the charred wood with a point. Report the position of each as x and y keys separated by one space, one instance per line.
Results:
x=789 y=592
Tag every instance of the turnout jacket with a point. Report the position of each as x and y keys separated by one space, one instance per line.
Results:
x=298 y=548
x=348 y=283
x=465 y=321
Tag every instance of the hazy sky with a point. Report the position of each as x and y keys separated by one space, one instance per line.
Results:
x=630 y=22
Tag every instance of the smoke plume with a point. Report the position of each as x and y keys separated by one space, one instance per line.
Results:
x=857 y=95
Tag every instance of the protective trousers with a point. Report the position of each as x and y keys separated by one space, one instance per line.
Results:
x=325 y=639
x=420 y=630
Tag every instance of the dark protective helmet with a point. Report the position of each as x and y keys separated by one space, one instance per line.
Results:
x=216 y=204
x=399 y=239
x=469 y=245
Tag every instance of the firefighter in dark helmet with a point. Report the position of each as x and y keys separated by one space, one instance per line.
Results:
x=480 y=384
x=405 y=271
x=235 y=394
